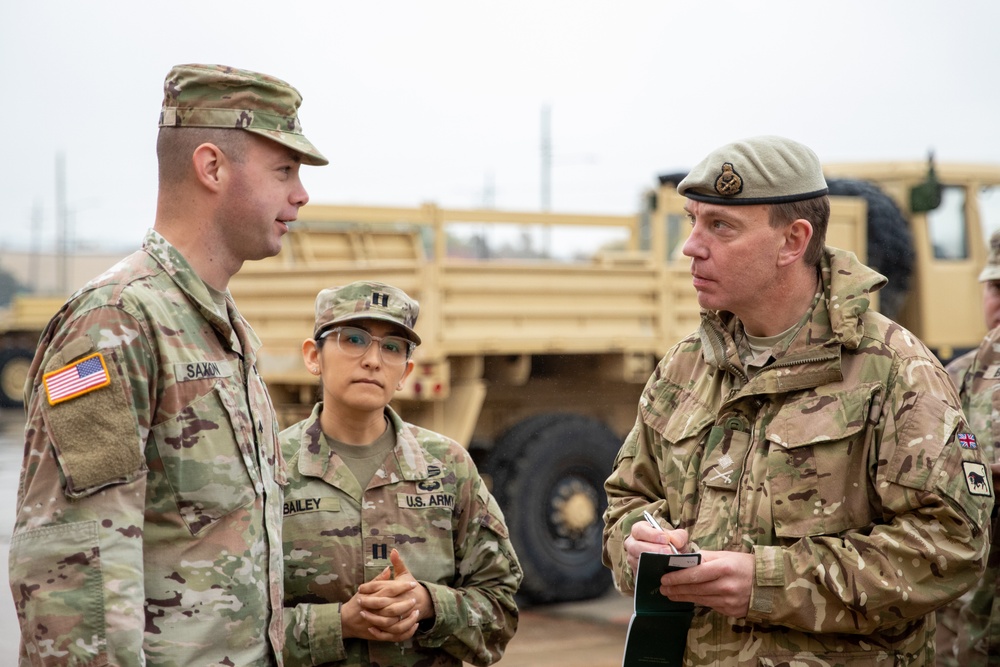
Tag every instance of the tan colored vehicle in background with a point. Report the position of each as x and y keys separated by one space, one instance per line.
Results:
x=20 y=327
x=537 y=364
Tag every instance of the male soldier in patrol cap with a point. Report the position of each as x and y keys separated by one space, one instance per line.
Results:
x=812 y=450
x=396 y=553
x=148 y=515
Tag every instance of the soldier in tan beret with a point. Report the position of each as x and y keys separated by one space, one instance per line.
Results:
x=396 y=553
x=813 y=451
x=989 y=277
x=148 y=515
x=969 y=628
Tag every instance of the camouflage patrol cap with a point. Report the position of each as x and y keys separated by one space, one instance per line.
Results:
x=226 y=97
x=366 y=300
x=758 y=170
x=992 y=269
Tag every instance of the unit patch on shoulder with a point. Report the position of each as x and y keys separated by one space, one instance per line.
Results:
x=992 y=372
x=977 y=478
x=78 y=378
x=966 y=441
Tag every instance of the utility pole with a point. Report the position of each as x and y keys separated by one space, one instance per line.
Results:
x=62 y=223
x=546 y=177
x=36 y=246
x=489 y=190
x=546 y=170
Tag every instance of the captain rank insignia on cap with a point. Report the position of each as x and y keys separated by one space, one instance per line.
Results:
x=76 y=379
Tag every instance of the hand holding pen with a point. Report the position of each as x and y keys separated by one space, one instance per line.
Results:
x=655 y=524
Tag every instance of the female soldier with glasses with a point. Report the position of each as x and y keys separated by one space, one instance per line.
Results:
x=395 y=551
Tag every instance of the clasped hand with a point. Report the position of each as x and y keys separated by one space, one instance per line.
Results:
x=387 y=608
x=723 y=581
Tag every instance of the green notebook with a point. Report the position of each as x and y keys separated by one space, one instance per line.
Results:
x=657 y=632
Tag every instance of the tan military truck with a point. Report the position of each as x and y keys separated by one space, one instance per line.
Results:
x=537 y=365
x=20 y=327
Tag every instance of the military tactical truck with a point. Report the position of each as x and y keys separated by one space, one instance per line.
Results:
x=20 y=327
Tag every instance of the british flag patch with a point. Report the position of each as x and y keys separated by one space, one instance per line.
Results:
x=967 y=440
x=77 y=379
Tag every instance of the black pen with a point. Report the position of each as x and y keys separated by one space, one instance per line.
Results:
x=654 y=524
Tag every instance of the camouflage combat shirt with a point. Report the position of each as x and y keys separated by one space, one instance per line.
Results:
x=978 y=641
x=959 y=366
x=842 y=467
x=949 y=623
x=428 y=502
x=149 y=508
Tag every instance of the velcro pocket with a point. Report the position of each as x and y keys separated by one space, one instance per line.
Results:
x=96 y=435
x=58 y=587
x=200 y=456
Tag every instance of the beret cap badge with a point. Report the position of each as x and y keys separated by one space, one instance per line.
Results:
x=729 y=183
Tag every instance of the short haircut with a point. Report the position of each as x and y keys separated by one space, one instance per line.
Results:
x=175 y=145
x=816 y=211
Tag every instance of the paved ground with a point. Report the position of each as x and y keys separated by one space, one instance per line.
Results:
x=581 y=634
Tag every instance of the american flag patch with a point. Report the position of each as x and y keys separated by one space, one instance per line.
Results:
x=78 y=378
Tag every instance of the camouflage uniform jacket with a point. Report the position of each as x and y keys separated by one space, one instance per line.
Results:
x=978 y=640
x=948 y=621
x=838 y=466
x=148 y=514
x=428 y=502
x=959 y=366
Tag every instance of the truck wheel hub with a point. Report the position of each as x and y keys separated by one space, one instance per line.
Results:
x=574 y=508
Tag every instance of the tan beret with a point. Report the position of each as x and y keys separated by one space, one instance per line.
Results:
x=758 y=170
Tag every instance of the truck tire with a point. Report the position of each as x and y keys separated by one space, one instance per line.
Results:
x=890 y=242
x=548 y=476
x=14 y=365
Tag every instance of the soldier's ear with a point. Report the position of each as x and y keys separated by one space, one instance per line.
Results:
x=310 y=356
x=795 y=242
x=210 y=166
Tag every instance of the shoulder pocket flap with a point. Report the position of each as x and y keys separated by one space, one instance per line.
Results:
x=821 y=418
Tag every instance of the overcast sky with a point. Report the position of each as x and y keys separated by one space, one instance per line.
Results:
x=442 y=101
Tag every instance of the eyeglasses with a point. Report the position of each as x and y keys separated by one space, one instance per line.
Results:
x=354 y=342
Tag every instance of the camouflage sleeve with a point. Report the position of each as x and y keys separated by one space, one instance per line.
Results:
x=634 y=486
x=930 y=546
x=313 y=635
x=476 y=616
x=76 y=556
x=979 y=626
x=958 y=368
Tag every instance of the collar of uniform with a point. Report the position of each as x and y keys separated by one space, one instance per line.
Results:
x=411 y=458
x=187 y=280
x=314 y=453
